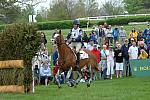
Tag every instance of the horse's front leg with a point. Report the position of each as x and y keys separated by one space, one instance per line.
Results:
x=68 y=76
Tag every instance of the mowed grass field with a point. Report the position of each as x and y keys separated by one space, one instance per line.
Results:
x=115 y=89
x=130 y=88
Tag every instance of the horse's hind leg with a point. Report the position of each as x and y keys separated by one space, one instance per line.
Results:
x=79 y=77
x=90 y=79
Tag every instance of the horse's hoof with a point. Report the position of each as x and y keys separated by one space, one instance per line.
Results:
x=75 y=86
x=59 y=87
x=77 y=83
x=88 y=85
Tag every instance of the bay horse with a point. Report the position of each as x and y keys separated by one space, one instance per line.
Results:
x=67 y=59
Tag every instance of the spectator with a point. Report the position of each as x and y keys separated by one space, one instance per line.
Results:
x=125 y=48
x=119 y=61
x=90 y=45
x=131 y=41
x=96 y=52
x=110 y=62
x=105 y=25
x=142 y=47
x=100 y=35
x=43 y=38
x=45 y=74
x=55 y=56
x=55 y=31
x=107 y=45
x=146 y=31
x=57 y=77
x=85 y=38
x=140 y=36
x=104 y=61
x=115 y=34
x=109 y=34
x=148 y=49
x=122 y=34
x=133 y=51
x=133 y=34
x=143 y=54
x=93 y=37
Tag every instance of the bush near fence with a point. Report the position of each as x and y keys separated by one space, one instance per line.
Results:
x=18 y=42
x=67 y=24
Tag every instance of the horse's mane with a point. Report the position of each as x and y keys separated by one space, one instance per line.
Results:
x=62 y=38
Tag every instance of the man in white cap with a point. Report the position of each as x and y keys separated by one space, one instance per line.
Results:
x=122 y=34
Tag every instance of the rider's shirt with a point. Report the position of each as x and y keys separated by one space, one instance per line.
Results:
x=75 y=33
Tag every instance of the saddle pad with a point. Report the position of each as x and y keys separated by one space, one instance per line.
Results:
x=83 y=55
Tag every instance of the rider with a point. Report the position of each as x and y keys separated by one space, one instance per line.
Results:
x=74 y=38
x=77 y=55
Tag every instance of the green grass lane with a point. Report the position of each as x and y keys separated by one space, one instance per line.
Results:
x=116 y=89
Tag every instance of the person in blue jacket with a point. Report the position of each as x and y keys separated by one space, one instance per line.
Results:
x=115 y=34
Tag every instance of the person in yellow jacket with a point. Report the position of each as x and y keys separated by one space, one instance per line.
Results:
x=133 y=34
x=143 y=54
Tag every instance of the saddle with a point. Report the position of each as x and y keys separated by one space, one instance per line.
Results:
x=83 y=55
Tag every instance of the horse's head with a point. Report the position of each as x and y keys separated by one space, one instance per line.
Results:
x=58 y=38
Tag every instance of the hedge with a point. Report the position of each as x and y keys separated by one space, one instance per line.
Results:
x=67 y=24
x=58 y=24
x=18 y=42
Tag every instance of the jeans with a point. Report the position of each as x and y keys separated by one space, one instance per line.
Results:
x=104 y=73
x=128 y=68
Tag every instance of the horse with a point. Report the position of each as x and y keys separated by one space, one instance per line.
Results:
x=67 y=59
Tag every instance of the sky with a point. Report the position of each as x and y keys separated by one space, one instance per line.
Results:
x=47 y=3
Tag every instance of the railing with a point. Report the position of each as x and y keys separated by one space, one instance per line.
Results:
x=113 y=16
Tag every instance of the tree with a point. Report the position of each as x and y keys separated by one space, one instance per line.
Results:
x=58 y=11
x=79 y=9
x=91 y=8
x=137 y=6
x=112 y=7
x=132 y=6
x=9 y=10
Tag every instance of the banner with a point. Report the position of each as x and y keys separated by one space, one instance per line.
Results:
x=140 y=67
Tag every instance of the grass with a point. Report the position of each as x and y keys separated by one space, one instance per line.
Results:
x=116 y=89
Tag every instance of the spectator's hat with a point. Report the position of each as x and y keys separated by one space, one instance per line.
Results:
x=104 y=46
x=132 y=39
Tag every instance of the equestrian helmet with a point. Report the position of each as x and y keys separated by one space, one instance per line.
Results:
x=76 y=22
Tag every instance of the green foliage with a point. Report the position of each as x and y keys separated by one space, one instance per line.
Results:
x=67 y=24
x=133 y=6
x=20 y=42
x=11 y=76
x=58 y=24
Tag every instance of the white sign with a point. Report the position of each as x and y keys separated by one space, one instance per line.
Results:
x=32 y=18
